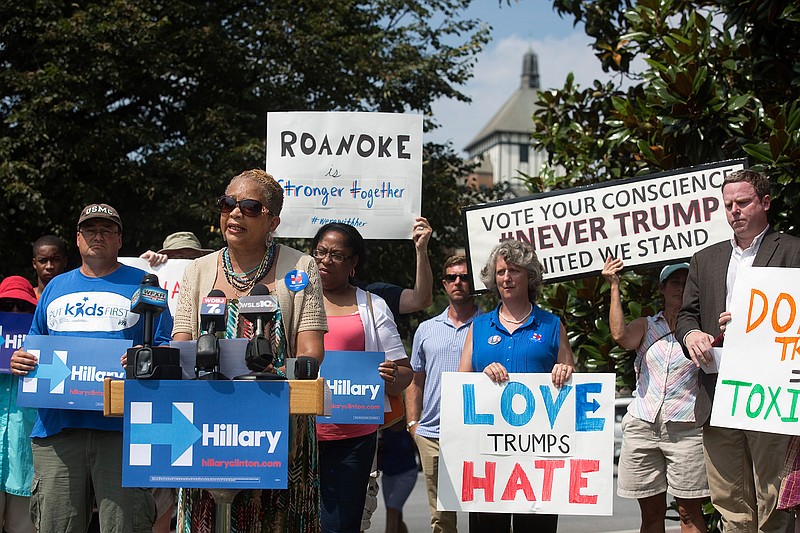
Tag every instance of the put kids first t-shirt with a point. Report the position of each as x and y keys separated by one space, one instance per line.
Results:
x=75 y=305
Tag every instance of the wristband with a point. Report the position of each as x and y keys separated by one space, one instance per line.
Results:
x=412 y=424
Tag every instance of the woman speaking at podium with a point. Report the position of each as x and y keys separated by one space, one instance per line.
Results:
x=249 y=213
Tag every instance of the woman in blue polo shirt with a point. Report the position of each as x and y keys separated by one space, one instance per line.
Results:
x=517 y=337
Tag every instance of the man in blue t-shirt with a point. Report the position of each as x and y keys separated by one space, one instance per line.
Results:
x=77 y=455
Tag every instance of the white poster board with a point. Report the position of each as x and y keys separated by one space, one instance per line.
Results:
x=169 y=275
x=525 y=446
x=362 y=169
x=758 y=386
x=651 y=219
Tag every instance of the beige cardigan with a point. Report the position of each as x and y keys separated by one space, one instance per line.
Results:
x=300 y=311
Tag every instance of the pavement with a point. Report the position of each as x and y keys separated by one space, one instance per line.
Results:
x=417 y=517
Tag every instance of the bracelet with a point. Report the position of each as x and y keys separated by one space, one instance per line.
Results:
x=412 y=424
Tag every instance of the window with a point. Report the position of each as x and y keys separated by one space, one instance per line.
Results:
x=523 y=153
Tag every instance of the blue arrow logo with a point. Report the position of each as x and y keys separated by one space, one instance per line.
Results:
x=179 y=434
x=56 y=371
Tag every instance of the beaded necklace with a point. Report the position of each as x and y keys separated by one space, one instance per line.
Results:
x=244 y=282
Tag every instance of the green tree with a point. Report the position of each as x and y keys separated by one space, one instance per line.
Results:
x=719 y=81
x=153 y=106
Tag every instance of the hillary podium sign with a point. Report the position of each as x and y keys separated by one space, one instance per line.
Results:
x=356 y=387
x=70 y=372
x=206 y=434
x=525 y=446
x=13 y=328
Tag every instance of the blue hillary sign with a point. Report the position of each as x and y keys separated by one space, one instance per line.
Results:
x=356 y=387
x=206 y=434
x=13 y=328
x=70 y=372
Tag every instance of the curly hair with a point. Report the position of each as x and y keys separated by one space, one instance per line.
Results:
x=518 y=254
x=50 y=240
x=352 y=239
x=271 y=191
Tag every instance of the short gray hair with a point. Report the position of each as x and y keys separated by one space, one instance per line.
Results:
x=519 y=254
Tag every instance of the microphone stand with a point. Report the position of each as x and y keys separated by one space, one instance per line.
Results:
x=223 y=499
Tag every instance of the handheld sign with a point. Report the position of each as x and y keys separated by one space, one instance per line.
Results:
x=758 y=386
x=70 y=372
x=525 y=446
x=13 y=329
x=206 y=434
x=362 y=169
x=356 y=387
x=647 y=220
x=169 y=274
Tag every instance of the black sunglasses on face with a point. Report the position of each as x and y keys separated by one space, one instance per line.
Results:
x=453 y=277
x=248 y=207
x=18 y=306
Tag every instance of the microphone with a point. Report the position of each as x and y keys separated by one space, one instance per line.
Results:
x=259 y=307
x=212 y=319
x=148 y=362
x=149 y=300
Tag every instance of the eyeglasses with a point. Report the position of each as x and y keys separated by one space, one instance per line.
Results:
x=319 y=255
x=91 y=233
x=248 y=207
x=453 y=277
x=16 y=306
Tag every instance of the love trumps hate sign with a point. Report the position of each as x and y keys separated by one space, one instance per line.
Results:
x=758 y=386
x=525 y=446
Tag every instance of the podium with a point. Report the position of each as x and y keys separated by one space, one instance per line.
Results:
x=306 y=397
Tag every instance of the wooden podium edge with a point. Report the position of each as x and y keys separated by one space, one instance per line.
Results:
x=306 y=397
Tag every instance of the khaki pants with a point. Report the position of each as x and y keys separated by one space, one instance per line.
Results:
x=744 y=469
x=441 y=521
x=77 y=466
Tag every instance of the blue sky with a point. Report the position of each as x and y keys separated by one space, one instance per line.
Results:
x=516 y=28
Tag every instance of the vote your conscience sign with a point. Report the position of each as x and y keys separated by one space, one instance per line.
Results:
x=644 y=220
x=758 y=385
x=525 y=446
x=206 y=434
x=70 y=372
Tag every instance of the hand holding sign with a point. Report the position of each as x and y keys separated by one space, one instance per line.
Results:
x=23 y=362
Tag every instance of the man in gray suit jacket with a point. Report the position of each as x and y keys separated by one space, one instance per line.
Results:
x=743 y=467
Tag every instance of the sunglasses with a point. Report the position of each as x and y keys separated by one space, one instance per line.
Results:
x=249 y=208
x=16 y=306
x=453 y=277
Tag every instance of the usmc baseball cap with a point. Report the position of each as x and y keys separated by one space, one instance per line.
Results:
x=100 y=211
